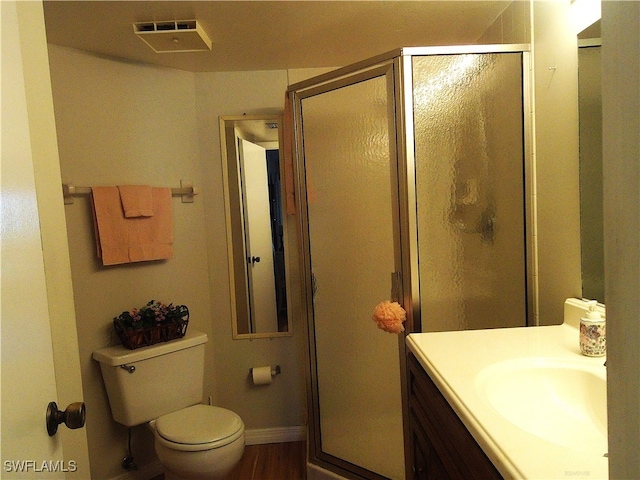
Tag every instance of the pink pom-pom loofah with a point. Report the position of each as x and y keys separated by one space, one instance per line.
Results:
x=389 y=316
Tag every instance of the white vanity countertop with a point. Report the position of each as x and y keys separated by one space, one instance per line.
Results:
x=455 y=360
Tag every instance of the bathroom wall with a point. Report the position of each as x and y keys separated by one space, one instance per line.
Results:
x=282 y=403
x=511 y=26
x=123 y=123
x=555 y=109
x=546 y=26
x=119 y=122
x=621 y=164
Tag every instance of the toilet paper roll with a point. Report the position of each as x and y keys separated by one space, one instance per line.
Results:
x=261 y=375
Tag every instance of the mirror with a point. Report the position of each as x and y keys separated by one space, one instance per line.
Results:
x=255 y=223
x=590 y=128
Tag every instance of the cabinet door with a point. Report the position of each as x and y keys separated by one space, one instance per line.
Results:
x=426 y=463
x=446 y=448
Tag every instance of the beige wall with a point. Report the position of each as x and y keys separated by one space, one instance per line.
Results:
x=554 y=50
x=121 y=123
x=512 y=26
x=283 y=402
x=125 y=123
x=555 y=110
x=621 y=164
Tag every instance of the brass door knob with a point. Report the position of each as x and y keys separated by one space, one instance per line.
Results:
x=73 y=417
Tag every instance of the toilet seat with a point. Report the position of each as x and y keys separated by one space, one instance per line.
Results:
x=199 y=427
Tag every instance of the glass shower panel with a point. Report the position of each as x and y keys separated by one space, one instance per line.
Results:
x=351 y=192
x=469 y=154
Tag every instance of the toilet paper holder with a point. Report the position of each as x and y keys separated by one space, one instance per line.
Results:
x=274 y=371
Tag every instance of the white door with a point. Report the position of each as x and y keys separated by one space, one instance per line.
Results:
x=258 y=241
x=28 y=376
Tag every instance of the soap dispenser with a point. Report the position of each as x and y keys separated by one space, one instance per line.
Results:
x=593 y=339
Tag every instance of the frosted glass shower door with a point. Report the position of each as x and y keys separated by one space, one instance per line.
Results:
x=351 y=193
x=470 y=190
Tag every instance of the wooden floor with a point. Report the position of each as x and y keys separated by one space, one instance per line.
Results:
x=270 y=461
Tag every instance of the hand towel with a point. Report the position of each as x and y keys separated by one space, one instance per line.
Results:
x=112 y=238
x=136 y=200
x=153 y=237
x=123 y=240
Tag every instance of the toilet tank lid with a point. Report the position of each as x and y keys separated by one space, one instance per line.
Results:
x=118 y=355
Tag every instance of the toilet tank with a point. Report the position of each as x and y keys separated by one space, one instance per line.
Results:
x=148 y=382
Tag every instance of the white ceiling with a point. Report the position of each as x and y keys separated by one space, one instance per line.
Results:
x=270 y=35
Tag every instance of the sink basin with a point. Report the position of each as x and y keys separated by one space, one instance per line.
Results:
x=559 y=400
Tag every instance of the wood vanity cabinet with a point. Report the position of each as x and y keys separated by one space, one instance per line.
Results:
x=441 y=446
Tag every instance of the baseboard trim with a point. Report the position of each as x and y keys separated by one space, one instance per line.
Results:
x=259 y=436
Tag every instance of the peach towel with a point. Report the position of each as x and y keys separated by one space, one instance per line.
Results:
x=136 y=200
x=124 y=240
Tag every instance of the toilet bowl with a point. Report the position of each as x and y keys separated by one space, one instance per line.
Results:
x=198 y=442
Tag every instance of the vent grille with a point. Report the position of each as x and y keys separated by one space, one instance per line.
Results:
x=173 y=36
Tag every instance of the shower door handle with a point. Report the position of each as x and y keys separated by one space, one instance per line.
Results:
x=314 y=285
x=396 y=287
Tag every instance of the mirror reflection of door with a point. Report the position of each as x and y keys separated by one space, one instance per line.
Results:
x=259 y=248
x=256 y=225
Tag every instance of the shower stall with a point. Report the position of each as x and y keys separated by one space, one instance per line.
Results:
x=413 y=185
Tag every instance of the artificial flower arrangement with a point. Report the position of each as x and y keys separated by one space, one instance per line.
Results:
x=389 y=316
x=155 y=322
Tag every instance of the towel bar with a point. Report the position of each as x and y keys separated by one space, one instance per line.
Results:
x=187 y=191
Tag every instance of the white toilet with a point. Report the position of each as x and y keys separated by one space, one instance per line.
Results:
x=162 y=385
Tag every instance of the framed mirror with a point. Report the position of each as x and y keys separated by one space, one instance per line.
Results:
x=255 y=223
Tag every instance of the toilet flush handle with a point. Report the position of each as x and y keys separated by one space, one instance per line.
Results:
x=128 y=368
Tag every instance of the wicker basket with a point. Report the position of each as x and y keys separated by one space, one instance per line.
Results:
x=143 y=337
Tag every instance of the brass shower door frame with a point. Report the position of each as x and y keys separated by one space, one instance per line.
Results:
x=397 y=67
x=384 y=65
x=406 y=148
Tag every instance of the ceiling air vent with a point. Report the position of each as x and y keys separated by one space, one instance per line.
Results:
x=173 y=36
